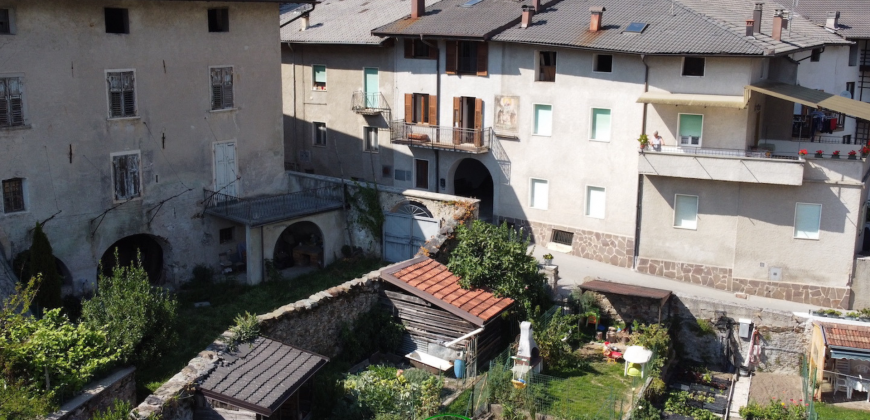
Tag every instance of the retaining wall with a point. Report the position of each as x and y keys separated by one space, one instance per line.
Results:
x=99 y=395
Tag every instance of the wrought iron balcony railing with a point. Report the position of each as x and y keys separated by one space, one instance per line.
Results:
x=436 y=137
x=368 y=103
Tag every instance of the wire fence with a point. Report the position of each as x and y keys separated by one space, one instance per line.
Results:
x=808 y=377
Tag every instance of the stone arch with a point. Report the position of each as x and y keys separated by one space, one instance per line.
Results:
x=414 y=208
x=305 y=236
x=151 y=249
x=472 y=179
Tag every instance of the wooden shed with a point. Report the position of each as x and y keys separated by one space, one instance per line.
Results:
x=442 y=319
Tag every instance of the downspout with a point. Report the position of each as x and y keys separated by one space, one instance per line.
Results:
x=437 y=111
x=639 y=209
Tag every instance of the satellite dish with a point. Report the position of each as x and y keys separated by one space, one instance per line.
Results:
x=846 y=94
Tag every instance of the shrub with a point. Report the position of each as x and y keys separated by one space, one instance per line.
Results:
x=382 y=391
x=138 y=318
x=203 y=274
x=553 y=337
x=645 y=411
x=584 y=302
x=775 y=410
x=120 y=410
x=246 y=328
x=656 y=390
x=42 y=262
x=497 y=258
x=373 y=331
x=417 y=376
x=19 y=401
x=654 y=337
x=704 y=327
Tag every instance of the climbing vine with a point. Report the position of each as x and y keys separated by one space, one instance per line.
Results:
x=367 y=202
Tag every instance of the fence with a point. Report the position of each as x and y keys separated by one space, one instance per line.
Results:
x=369 y=102
x=710 y=151
x=808 y=377
x=261 y=210
x=460 y=139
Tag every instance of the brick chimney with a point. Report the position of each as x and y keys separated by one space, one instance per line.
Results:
x=777 y=25
x=418 y=8
x=528 y=12
x=595 y=24
x=304 y=22
x=833 y=21
x=785 y=19
x=537 y=5
x=750 y=27
x=756 y=17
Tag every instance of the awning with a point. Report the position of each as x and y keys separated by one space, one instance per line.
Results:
x=853 y=355
x=719 y=101
x=813 y=98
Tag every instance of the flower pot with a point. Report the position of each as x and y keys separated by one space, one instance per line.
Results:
x=819 y=155
x=853 y=157
x=835 y=156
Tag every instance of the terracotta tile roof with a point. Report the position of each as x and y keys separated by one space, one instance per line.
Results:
x=430 y=280
x=844 y=335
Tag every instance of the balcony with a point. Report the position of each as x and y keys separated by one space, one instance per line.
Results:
x=734 y=165
x=366 y=103
x=443 y=138
x=258 y=211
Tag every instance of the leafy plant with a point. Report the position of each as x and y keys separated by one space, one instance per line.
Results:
x=370 y=214
x=203 y=274
x=705 y=327
x=775 y=410
x=656 y=390
x=246 y=328
x=42 y=263
x=120 y=410
x=383 y=391
x=497 y=258
x=373 y=331
x=139 y=319
x=646 y=411
x=679 y=403
x=552 y=338
x=654 y=337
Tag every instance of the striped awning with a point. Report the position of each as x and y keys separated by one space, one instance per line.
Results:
x=849 y=354
x=813 y=98
x=691 y=99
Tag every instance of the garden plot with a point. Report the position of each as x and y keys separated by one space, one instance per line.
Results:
x=697 y=394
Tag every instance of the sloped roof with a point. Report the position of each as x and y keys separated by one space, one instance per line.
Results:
x=342 y=21
x=261 y=375
x=845 y=335
x=432 y=281
x=625 y=289
x=854 y=15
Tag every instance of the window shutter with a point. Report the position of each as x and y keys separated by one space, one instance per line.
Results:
x=227 y=88
x=119 y=164
x=450 y=59
x=409 y=48
x=433 y=52
x=409 y=107
x=433 y=110
x=478 y=122
x=216 y=89
x=115 y=99
x=482 y=58
x=4 y=104
x=457 y=111
x=129 y=104
x=132 y=176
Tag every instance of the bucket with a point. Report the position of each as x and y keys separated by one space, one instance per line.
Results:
x=459 y=368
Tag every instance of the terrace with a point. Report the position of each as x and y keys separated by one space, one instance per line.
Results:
x=258 y=211
x=465 y=140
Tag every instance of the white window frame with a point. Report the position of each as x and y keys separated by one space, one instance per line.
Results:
x=211 y=89
x=535 y=119
x=680 y=137
x=587 y=202
x=365 y=142
x=595 y=64
x=135 y=95
x=818 y=227
x=591 y=120
x=325 y=75
x=314 y=132
x=112 y=174
x=531 y=196
x=683 y=67
x=25 y=197
x=428 y=175
x=697 y=204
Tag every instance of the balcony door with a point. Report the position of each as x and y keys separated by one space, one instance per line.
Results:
x=225 y=168
x=467 y=120
x=372 y=87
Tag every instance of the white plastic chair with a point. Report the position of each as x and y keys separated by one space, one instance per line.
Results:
x=842 y=384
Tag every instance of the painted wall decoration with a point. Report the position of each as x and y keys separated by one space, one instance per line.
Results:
x=507 y=115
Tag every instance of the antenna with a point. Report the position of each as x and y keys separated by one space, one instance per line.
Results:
x=672 y=7
x=794 y=5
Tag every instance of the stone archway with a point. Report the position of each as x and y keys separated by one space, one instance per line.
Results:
x=129 y=247
x=300 y=244
x=473 y=180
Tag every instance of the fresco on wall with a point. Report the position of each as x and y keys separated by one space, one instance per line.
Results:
x=507 y=111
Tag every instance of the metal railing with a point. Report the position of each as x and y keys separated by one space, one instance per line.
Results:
x=707 y=151
x=844 y=139
x=459 y=139
x=270 y=208
x=369 y=102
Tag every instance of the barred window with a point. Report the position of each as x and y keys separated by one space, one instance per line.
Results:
x=562 y=237
x=11 y=102
x=13 y=195
x=221 y=88
x=125 y=171
x=122 y=96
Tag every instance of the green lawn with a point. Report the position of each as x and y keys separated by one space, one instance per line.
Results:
x=198 y=327
x=459 y=405
x=830 y=412
x=598 y=389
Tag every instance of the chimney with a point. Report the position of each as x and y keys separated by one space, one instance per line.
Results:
x=304 y=22
x=418 y=8
x=833 y=21
x=750 y=24
x=537 y=5
x=756 y=17
x=528 y=12
x=777 y=25
x=785 y=19
x=595 y=22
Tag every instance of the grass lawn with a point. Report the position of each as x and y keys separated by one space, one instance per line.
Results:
x=590 y=392
x=459 y=405
x=198 y=327
x=831 y=412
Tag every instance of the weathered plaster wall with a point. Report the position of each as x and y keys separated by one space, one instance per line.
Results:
x=99 y=396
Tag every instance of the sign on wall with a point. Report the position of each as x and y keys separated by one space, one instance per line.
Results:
x=507 y=115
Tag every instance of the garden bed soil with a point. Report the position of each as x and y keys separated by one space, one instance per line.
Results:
x=767 y=386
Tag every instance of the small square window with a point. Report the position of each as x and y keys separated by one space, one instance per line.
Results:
x=694 y=66
x=539 y=193
x=5 y=22
x=117 y=21
x=816 y=54
x=546 y=66
x=562 y=237
x=13 y=195
x=543 y=125
x=402 y=175
x=221 y=88
x=603 y=63
x=416 y=48
x=125 y=170
x=319 y=134
x=371 y=139
x=319 y=76
x=807 y=220
x=595 y=197
x=122 y=94
x=219 y=20
x=226 y=235
x=686 y=211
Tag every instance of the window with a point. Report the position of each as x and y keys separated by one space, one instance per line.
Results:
x=221 y=88
x=595 y=202
x=421 y=174
x=539 y=192
x=421 y=108
x=807 y=218
x=13 y=195
x=466 y=57
x=122 y=96
x=686 y=211
x=600 y=124
x=125 y=172
x=11 y=102
x=5 y=22
x=219 y=20
x=402 y=175
x=416 y=48
x=319 y=76
x=117 y=21
x=602 y=63
x=371 y=139
x=546 y=66
x=853 y=53
x=850 y=86
x=691 y=127
x=816 y=54
x=543 y=124
x=693 y=66
x=562 y=237
x=226 y=235
x=386 y=170
x=319 y=134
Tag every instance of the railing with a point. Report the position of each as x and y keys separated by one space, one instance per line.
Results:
x=369 y=102
x=459 y=139
x=707 y=151
x=844 y=139
x=270 y=208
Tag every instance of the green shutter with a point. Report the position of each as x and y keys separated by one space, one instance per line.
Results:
x=600 y=124
x=319 y=74
x=691 y=125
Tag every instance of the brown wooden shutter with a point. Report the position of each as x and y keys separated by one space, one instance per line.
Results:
x=482 y=58
x=433 y=52
x=409 y=48
x=450 y=59
x=478 y=122
x=433 y=110
x=409 y=107
x=457 y=120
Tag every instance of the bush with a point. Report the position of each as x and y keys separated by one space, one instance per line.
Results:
x=645 y=411
x=19 y=401
x=120 y=410
x=42 y=262
x=417 y=376
x=654 y=337
x=497 y=258
x=584 y=302
x=775 y=410
x=246 y=328
x=553 y=338
x=146 y=329
x=373 y=331
x=656 y=390
x=203 y=274
x=384 y=394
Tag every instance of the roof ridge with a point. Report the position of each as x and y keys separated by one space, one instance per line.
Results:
x=720 y=24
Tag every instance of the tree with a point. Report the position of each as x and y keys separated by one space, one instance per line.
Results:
x=498 y=258
x=42 y=262
x=138 y=317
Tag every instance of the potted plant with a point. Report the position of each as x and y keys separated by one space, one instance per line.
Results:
x=865 y=151
x=548 y=258
x=853 y=155
x=835 y=155
x=819 y=153
x=643 y=140
x=852 y=316
x=802 y=152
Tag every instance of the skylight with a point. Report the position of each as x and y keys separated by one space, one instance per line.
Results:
x=470 y=3
x=636 y=27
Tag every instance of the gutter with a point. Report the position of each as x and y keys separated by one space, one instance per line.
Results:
x=437 y=109
x=639 y=207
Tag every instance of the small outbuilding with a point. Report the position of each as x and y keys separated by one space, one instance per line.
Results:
x=840 y=352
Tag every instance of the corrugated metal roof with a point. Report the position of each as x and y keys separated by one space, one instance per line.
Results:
x=261 y=375
x=845 y=335
x=625 y=289
x=430 y=280
x=854 y=15
x=449 y=19
x=814 y=98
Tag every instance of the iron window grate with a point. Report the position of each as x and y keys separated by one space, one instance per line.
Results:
x=562 y=237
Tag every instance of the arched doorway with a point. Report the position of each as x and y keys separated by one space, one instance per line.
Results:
x=21 y=267
x=150 y=250
x=473 y=180
x=300 y=244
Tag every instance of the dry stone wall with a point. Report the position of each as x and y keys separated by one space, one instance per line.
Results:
x=99 y=396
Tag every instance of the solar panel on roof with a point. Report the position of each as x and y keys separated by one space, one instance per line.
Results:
x=470 y=3
x=636 y=27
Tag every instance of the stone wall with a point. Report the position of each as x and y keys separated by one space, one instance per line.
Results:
x=99 y=395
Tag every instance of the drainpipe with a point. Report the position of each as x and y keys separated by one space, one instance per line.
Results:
x=639 y=210
x=437 y=111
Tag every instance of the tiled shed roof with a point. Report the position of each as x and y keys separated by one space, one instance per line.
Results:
x=845 y=335
x=854 y=15
x=261 y=375
x=430 y=280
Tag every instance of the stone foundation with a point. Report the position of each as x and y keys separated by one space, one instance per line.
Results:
x=99 y=396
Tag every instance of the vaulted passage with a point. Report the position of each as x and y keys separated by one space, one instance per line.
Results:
x=473 y=180
x=300 y=244
x=146 y=245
